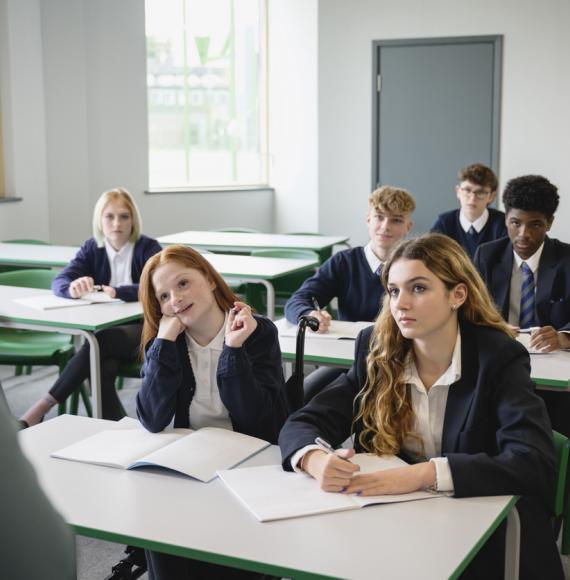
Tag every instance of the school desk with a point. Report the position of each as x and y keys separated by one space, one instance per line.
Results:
x=181 y=516
x=79 y=320
x=548 y=371
x=246 y=242
x=32 y=255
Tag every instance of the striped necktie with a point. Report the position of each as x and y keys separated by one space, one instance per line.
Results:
x=526 y=318
x=378 y=270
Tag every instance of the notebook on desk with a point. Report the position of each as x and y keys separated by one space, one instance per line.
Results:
x=270 y=493
x=198 y=454
x=339 y=329
x=51 y=302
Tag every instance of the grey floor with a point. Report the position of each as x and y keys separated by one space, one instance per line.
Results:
x=94 y=557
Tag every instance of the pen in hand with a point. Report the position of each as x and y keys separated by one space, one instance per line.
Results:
x=97 y=288
x=315 y=304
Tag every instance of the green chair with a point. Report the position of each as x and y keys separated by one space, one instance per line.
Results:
x=561 y=504
x=285 y=286
x=30 y=347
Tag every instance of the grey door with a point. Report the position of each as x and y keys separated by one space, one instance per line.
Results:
x=436 y=109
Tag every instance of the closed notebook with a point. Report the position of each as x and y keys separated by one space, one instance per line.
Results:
x=198 y=454
x=270 y=493
x=338 y=329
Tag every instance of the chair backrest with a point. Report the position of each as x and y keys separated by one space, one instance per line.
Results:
x=28 y=278
x=237 y=230
x=290 y=254
x=562 y=448
x=36 y=242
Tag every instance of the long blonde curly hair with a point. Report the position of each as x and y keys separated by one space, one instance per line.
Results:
x=385 y=406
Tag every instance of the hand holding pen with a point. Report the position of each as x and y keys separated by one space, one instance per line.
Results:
x=332 y=469
x=322 y=316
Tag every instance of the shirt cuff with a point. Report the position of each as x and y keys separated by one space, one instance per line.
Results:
x=443 y=478
x=298 y=456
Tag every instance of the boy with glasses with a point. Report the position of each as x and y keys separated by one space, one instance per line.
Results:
x=474 y=223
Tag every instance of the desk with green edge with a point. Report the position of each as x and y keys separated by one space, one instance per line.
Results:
x=185 y=517
x=246 y=242
x=548 y=371
x=79 y=320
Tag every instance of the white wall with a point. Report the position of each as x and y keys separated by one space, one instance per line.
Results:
x=23 y=120
x=293 y=113
x=535 y=127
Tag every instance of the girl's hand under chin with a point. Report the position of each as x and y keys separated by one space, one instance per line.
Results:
x=169 y=328
x=240 y=325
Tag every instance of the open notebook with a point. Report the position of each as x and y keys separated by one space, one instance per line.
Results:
x=198 y=454
x=50 y=301
x=270 y=493
x=338 y=329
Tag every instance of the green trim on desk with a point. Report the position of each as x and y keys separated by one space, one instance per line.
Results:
x=31 y=262
x=46 y=324
x=328 y=361
x=201 y=555
x=557 y=384
x=474 y=551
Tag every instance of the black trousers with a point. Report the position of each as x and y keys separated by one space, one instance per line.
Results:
x=166 y=567
x=117 y=344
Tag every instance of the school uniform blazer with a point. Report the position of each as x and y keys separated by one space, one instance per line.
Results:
x=92 y=261
x=495 y=263
x=496 y=435
x=250 y=380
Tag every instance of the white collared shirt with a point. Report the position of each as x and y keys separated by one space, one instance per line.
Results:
x=372 y=258
x=121 y=264
x=516 y=281
x=429 y=410
x=478 y=224
x=207 y=408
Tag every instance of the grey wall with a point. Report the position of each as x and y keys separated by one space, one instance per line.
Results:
x=535 y=128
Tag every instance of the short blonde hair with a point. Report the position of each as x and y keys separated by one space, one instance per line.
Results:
x=121 y=195
x=392 y=199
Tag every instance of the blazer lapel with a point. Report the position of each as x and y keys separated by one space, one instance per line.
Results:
x=460 y=394
x=545 y=280
x=501 y=284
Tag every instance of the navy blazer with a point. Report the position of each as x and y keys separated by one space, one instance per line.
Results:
x=92 y=261
x=448 y=223
x=495 y=263
x=496 y=436
x=250 y=380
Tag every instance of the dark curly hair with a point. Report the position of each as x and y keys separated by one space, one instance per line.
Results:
x=531 y=193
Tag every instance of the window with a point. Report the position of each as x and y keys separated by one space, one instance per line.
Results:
x=206 y=93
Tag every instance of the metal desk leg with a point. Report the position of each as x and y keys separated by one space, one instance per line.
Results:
x=512 y=545
x=270 y=294
x=95 y=372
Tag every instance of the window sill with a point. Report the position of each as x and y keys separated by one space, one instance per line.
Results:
x=10 y=199
x=214 y=189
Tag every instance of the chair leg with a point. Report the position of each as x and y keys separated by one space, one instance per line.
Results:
x=28 y=369
x=62 y=408
x=19 y=371
x=119 y=383
x=74 y=403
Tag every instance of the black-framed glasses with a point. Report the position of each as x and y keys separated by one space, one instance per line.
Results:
x=478 y=193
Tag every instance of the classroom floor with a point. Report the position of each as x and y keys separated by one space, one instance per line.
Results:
x=94 y=557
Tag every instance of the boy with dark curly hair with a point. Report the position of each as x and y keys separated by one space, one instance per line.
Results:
x=474 y=223
x=528 y=275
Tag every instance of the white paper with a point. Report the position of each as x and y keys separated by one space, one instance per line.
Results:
x=49 y=302
x=338 y=329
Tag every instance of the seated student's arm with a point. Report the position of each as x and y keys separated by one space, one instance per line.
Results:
x=130 y=292
x=511 y=451
x=82 y=266
x=36 y=542
x=162 y=378
x=322 y=287
x=548 y=339
x=438 y=226
x=251 y=384
x=330 y=413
